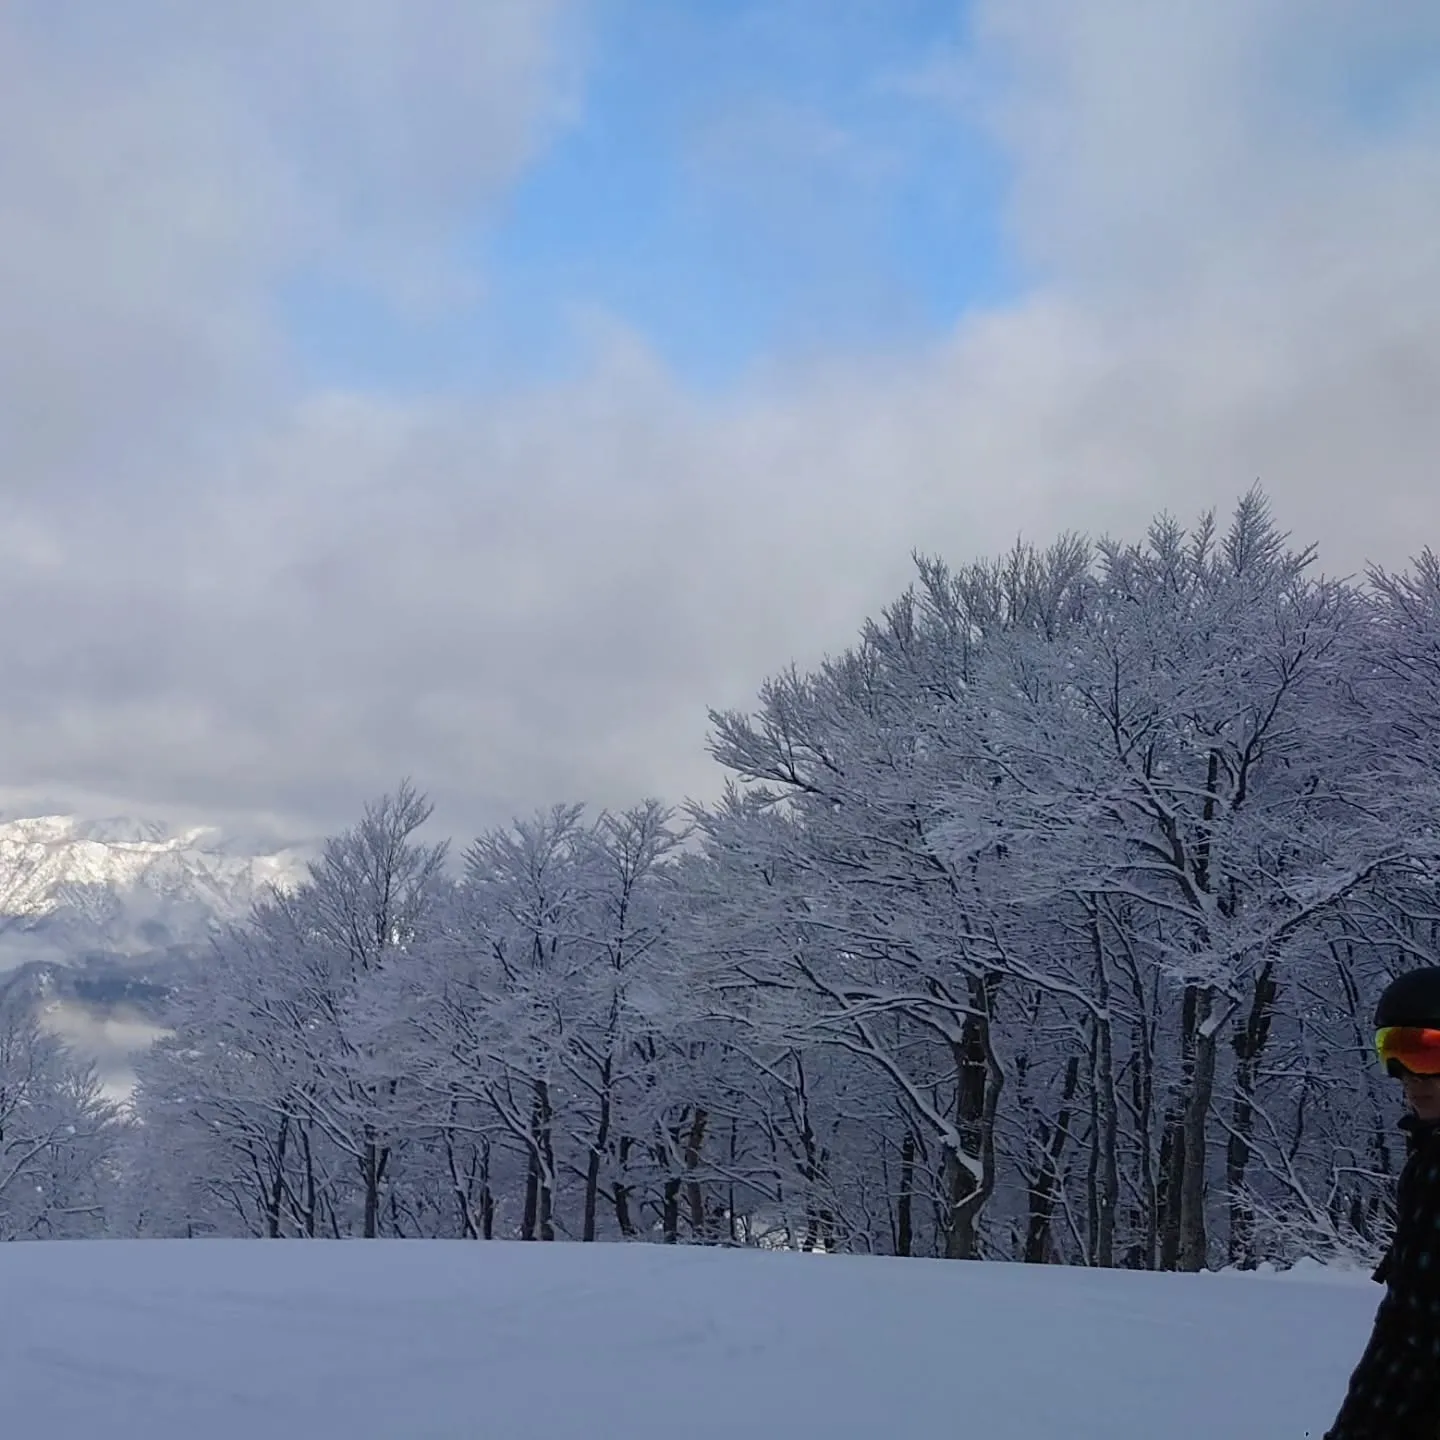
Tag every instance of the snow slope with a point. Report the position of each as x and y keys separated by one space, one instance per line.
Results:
x=230 y=1340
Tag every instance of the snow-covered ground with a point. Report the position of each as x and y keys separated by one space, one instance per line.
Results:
x=421 y=1340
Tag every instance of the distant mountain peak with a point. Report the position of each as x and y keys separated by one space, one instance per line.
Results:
x=124 y=886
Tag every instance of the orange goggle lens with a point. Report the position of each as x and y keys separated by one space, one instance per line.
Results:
x=1408 y=1047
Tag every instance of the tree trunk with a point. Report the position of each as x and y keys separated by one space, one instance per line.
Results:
x=733 y=1219
x=1174 y=1150
x=1142 y=1095
x=597 y=1150
x=695 y=1199
x=546 y=1167
x=531 y=1209
x=463 y=1186
x=1103 y=1188
x=670 y=1212
x=1194 y=1239
x=536 y=1219
x=277 y=1190
x=905 y=1234
x=623 y=1217
x=1250 y=1042
x=1144 y=1248
x=966 y=1193
x=1200 y=1064
x=372 y=1168
x=312 y=1198
x=1039 y=1247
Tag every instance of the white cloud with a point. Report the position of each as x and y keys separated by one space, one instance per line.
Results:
x=250 y=599
x=109 y=1039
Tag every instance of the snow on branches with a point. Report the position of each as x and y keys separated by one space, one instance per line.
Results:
x=1042 y=922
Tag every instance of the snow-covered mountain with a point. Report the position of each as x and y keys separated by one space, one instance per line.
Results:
x=98 y=916
x=71 y=888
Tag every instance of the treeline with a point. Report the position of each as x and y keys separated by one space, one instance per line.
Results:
x=1042 y=923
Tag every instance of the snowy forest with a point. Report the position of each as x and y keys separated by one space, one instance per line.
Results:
x=1044 y=923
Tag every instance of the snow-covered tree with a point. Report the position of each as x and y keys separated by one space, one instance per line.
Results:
x=58 y=1134
x=1042 y=922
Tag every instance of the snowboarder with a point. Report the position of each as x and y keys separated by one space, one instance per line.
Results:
x=1394 y=1393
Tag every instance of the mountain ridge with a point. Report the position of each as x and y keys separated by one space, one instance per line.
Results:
x=71 y=886
x=98 y=918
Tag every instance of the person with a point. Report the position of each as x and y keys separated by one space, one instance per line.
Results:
x=1394 y=1393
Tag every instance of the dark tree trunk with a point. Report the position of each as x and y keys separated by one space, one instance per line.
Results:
x=694 y=1140
x=734 y=1222
x=905 y=1231
x=536 y=1220
x=546 y=1167
x=597 y=1150
x=670 y=1212
x=966 y=1193
x=1039 y=1246
x=1250 y=1042
x=372 y=1168
x=1173 y=1150
x=277 y=1190
x=1194 y=1239
x=532 y=1197
x=623 y=1217
x=1103 y=1177
x=312 y=1200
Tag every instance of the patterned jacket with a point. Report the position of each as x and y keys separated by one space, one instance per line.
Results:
x=1395 y=1391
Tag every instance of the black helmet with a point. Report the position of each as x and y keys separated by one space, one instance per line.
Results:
x=1411 y=999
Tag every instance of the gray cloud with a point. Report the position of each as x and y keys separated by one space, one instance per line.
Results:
x=241 y=599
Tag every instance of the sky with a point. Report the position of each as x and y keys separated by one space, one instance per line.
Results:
x=481 y=390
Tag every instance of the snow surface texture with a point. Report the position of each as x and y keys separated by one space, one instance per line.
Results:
x=418 y=1340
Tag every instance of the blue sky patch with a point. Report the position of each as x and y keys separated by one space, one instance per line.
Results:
x=746 y=182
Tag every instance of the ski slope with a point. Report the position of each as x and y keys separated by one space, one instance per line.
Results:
x=422 y=1340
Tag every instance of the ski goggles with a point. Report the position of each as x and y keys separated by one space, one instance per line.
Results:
x=1409 y=1047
